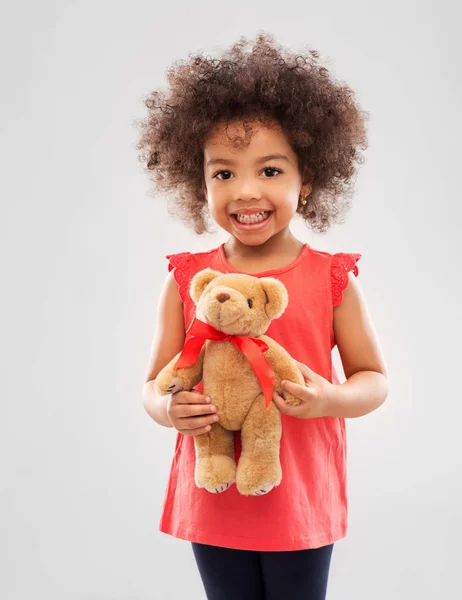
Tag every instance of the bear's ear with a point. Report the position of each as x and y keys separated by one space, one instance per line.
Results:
x=277 y=297
x=200 y=281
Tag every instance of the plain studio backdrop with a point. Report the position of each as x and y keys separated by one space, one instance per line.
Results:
x=83 y=247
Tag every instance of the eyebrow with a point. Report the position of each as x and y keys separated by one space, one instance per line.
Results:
x=227 y=161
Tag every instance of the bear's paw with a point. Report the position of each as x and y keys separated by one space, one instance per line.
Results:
x=175 y=386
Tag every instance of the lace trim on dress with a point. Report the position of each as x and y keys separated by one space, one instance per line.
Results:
x=342 y=262
x=181 y=262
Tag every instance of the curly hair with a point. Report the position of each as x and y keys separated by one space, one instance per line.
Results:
x=321 y=119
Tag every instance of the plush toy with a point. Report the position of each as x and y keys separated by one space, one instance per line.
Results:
x=240 y=367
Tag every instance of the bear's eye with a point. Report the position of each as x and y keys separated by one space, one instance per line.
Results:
x=250 y=303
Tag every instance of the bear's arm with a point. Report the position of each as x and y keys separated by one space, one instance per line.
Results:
x=282 y=364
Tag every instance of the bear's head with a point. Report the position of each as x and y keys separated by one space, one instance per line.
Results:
x=236 y=303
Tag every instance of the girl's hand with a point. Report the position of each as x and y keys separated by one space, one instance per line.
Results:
x=315 y=395
x=190 y=413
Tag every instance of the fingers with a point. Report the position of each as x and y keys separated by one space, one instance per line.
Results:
x=193 y=410
x=194 y=432
x=282 y=405
x=279 y=402
x=299 y=364
x=290 y=408
x=193 y=415
x=295 y=389
x=196 y=425
x=190 y=397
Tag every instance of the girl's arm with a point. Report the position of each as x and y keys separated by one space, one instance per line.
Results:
x=366 y=387
x=169 y=338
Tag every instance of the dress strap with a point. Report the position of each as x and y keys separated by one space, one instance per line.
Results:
x=342 y=263
x=182 y=263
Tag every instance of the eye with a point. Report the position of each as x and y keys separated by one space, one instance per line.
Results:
x=273 y=169
x=219 y=173
x=250 y=303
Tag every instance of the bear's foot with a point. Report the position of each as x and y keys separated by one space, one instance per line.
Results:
x=264 y=490
x=253 y=479
x=215 y=473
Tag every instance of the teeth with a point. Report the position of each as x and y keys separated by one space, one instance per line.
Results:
x=256 y=218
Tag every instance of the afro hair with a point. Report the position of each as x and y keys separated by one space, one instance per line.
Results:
x=320 y=116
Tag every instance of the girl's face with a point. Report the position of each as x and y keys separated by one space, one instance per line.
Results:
x=261 y=177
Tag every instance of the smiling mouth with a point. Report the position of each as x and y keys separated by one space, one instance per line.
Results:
x=250 y=219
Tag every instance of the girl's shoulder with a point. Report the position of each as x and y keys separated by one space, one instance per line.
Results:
x=341 y=263
x=181 y=258
x=337 y=265
x=186 y=260
x=335 y=258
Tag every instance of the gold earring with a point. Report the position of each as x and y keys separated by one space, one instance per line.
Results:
x=304 y=200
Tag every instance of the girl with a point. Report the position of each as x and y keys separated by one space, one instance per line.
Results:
x=250 y=141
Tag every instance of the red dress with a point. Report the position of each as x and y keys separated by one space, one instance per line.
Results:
x=309 y=508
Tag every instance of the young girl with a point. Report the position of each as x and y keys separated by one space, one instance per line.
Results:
x=250 y=141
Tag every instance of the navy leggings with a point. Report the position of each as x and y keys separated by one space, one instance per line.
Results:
x=229 y=574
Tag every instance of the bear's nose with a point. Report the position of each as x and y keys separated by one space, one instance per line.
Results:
x=223 y=297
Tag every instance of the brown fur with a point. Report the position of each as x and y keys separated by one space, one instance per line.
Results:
x=222 y=301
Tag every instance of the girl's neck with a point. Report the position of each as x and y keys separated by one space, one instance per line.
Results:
x=283 y=243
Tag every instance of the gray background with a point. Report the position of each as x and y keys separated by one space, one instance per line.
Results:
x=83 y=248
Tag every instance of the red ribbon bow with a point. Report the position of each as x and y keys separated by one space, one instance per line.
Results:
x=252 y=348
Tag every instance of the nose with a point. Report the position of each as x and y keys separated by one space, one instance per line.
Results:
x=223 y=297
x=249 y=189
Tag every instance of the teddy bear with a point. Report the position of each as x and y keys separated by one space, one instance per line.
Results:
x=226 y=348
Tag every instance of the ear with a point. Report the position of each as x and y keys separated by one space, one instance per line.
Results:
x=200 y=281
x=277 y=297
x=308 y=179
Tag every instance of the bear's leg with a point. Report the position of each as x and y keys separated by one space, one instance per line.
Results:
x=259 y=468
x=215 y=463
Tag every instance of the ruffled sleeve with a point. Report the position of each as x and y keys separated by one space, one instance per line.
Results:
x=182 y=263
x=342 y=262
